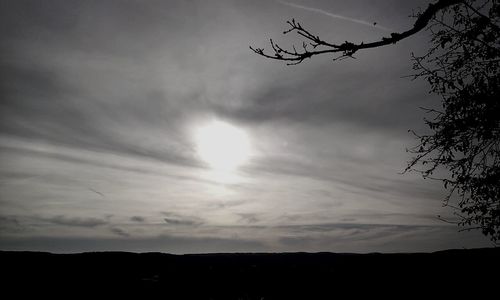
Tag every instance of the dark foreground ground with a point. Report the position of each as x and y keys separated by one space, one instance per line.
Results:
x=113 y=275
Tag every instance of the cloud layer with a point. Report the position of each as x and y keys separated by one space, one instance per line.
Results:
x=99 y=100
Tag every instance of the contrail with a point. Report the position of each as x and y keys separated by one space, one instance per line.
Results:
x=320 y=11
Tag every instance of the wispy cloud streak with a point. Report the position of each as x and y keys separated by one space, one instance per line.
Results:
x=340 y=17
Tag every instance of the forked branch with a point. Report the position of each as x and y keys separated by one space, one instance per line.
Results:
x=314 y=45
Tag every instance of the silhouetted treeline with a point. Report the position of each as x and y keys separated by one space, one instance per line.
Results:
x=249 y=276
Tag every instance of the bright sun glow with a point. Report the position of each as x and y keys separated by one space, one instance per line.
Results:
x=222 y=146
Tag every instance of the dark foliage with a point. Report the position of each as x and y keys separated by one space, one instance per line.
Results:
x=463 y=67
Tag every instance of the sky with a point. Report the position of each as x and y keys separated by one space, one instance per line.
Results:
x=102 y=102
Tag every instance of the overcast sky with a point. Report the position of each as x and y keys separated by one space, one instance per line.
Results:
x=100 y=102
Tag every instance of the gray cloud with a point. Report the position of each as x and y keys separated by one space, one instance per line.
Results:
x=138 y=219
x=11 y=224
x=53 y=89
x=38 y=104
x=171 y=221
x=384 y=215
x=119 y=232
x=360 y=238
x=249 y=218
x=101 y=97
x=76 y=221
x=300 y=100
x=73 y=158
x=181 y=220
x=357 y=227
x=372 y=237
x=169 y=244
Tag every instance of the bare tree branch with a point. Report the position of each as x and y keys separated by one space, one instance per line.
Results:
x=346 y=49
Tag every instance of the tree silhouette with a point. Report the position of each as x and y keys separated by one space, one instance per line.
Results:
x=462 y=66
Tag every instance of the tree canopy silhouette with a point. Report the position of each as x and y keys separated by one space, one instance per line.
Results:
x=462 y=66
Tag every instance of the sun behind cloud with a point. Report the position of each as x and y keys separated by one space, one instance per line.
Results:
x=222 y=146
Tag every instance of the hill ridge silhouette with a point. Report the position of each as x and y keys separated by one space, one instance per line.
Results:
x=290 y=275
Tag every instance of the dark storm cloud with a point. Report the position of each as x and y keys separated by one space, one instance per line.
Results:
x=76 y=221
